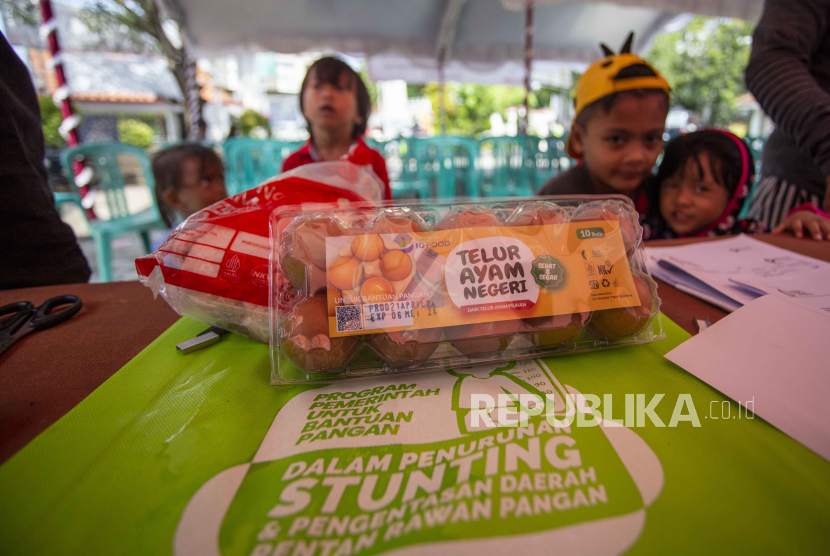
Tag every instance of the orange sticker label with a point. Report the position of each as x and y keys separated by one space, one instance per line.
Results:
x=402 y=281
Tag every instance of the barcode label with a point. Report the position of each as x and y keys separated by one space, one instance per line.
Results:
x=349 y=318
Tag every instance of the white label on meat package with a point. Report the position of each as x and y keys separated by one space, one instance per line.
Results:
x=176 y=246
x=208 y=234
x=201 y=267
x=194 y=250
x=171 y=260
x=251 y=244
x=207 y=253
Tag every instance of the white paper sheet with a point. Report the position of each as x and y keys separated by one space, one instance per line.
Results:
x=741 y=268
x=777 y=355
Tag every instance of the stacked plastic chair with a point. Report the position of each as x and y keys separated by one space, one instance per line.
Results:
x=756 y=147
x=104 y=160
x=507 y=166
x=448 y=164
x=403 y=168
x=249 y=162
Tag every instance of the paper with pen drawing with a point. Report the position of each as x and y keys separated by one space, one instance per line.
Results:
x=730 y=264
x=777 y=355
x=809 y=289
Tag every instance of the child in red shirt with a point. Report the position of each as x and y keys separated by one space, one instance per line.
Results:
x=335 y=103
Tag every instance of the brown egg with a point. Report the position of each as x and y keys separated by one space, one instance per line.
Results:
x=345 y=273
x=306 y=340
x=304 y=245
x=538 y=214
x=406 y=346
x=555 y=330
x=390 y=223
x=486 y=337
x=359 y=217
x=613 y=324
x=331 y=296
x=396 y=265
x=309 y=239
x=308 y=278
x=294 y=270
x=614 y=210
x=376 y=290
x=367 y=247
x=469 y=217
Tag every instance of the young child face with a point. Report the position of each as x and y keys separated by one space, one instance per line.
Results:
x=199 y=187
x=620 y=147
x=331 y=107
x=690 y=201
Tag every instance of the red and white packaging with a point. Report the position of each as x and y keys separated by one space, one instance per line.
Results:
x=214 y=267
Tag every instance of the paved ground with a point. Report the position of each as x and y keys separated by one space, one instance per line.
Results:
x=126 y=248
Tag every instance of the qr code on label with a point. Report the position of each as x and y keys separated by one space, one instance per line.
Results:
x=349 y=318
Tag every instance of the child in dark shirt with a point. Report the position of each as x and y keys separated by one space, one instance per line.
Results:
x=335 y=103
x=621 y=105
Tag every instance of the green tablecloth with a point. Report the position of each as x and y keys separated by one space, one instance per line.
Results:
x=124 y=471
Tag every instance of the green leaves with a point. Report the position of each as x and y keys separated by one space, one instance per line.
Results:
x=135 y=132
x=254 y=124
x=704 y=63
x=50 y=116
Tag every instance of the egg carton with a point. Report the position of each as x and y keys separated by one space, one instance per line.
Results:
x=344 y=266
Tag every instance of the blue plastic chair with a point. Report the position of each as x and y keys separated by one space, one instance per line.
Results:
x=756 y=147
x=249 y=162
x=67 y=197
x=507 y=166
x=551 y=158
x=104 y=159
x=405 y=178
x=448 y=164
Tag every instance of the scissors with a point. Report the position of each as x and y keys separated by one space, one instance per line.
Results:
x=26 y=318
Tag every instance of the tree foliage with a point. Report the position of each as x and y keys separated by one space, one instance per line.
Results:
x=135 y=132
x=469 y=107
x=253 y=124
x=51 y=118
x=118 y=30
x=23 y=12
x=704 y=64
x=371 y=86
x=138 y=25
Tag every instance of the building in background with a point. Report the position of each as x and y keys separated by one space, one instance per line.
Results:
x=109 y=87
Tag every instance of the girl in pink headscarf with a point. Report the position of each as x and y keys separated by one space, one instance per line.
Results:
x=701 y=186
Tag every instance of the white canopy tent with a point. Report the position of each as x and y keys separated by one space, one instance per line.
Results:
x=481 y=41
x=476 y=40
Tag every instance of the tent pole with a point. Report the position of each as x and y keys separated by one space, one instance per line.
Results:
x=70 y=121
x=442 y=91
x=523 y=123
x=446 y=36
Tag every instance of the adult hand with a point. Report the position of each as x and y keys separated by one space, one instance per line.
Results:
x=816 y=225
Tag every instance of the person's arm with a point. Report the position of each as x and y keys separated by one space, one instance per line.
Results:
x=787 y=37
x=806 y=218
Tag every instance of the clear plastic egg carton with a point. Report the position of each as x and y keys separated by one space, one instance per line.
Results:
x=384 y=288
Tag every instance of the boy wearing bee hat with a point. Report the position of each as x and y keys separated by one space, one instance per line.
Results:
x=621 y=104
